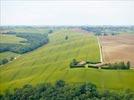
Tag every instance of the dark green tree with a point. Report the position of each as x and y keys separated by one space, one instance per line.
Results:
x=128 y=64
x=4 y=61
x=66 y=38
x=60 y=83
x=50 y=31
x=11 y=58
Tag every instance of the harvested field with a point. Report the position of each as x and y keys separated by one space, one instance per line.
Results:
x=118 y=48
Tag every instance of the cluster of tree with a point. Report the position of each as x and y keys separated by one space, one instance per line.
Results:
x=120 y=65
x=63 y=91
x=106 y=30
x=33 y=41
x=5 y=60
x=75 y=64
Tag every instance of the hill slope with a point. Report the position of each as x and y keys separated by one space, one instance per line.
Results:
x=51 y=62
x=11 y=39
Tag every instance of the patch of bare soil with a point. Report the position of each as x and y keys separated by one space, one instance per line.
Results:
x=118 y=48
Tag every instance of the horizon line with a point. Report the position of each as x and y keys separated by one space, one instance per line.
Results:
x=69 y=25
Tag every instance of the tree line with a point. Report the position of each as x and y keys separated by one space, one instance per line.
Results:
x=118 y=65
x=32 y=42
x=106 y=30
x=62 y=91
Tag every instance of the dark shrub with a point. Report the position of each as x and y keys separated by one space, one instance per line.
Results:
x=60 y=83
x=4 y=61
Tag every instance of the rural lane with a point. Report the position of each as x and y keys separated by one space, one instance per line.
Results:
x=100 y=48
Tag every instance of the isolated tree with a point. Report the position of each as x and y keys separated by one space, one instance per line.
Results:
x=113 y=33
x=128 y=64
x=50 y=31
x=11 y=59
x=66 y=38
x=74 y=62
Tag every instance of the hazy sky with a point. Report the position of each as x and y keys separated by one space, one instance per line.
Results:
x=67 y=12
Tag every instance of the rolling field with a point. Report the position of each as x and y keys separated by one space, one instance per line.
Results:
x=11 y=39
x=26 y=30
x=51 y=62
x=8 y=54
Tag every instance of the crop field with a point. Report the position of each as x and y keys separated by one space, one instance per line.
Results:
x=50 y=63
x=10 y=39
x=118 y=48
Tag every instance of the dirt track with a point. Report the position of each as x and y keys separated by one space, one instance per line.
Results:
x=118 y=48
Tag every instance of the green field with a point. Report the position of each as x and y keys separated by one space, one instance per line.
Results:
x=27 y=30
x=51 y=62
x=10 y=39
x=8 y=55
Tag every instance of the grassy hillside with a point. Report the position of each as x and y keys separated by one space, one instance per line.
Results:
x=51 y=62
x=8 y=54
x=10 y=39
x=25 y=29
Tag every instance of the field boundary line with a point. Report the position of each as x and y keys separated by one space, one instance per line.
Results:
x=100 y=49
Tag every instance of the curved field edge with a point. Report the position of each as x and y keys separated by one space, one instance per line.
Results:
x=8 y=54
x=51 y=63
x=12 y=39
